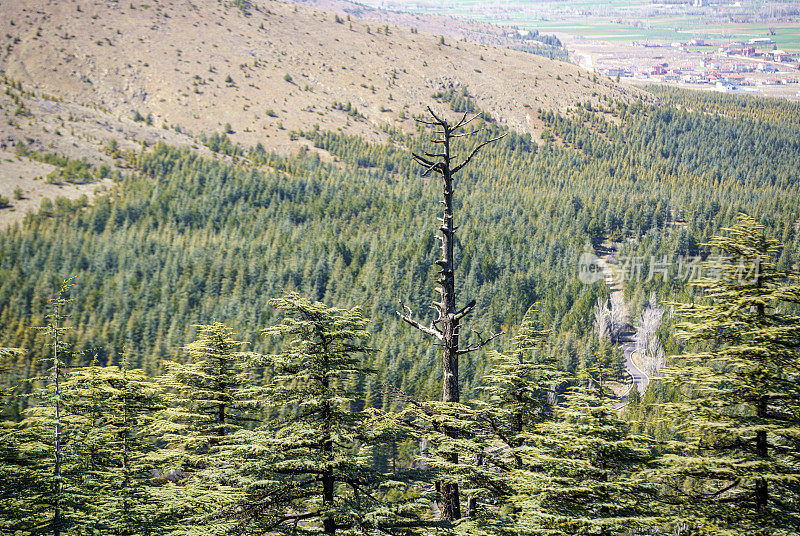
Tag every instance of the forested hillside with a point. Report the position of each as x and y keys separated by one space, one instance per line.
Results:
x=213 y=347
x=188 y=239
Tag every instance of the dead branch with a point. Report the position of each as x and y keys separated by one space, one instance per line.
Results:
x=429 y=166
x=465 y=311
x=483 y=342
x=406 y=316
x=410 y=399
x=437 y=167
x=463 y=123
x=460 y=122
x=465 y=134
x=439 y=120
x=424 y=122
x=437 y=307
x=474 y=151
x=422 y=160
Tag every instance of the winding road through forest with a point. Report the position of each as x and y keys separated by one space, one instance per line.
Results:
x=606 y=259
x=640 y=379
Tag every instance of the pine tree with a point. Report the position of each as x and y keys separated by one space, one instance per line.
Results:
x=578 y=470
x=113 y=412
x=85 y=393
x=16 y=473
x=735 y=467
x=52 y=497
x=26 y=485
x=135 y=399
x=521 y=385
x=558 y=462
x=208 y=403
x=310 y=468
x=520 y=388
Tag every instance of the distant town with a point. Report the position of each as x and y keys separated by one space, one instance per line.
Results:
x=732 y=67
x=744 y=46
x=752 y=66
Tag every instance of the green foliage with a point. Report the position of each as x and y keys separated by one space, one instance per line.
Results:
x=244 y=6
x=61 y=209
x=14 y=471
x=312 y=463
x=44 y=451
x=72 y=171
x=208 y=403
x=733 y=469
x=207 y=397
x=221 y=143
x=520 y=388
x=111 y=148
x=576 y=475
x=744 y=107
x=21 y=111
x=459 y=101
x=69 y=170
x=237 y=214
x=351 y=110
x=112 y=413
x=187 y=238
x=362 y=232
x=552 y=52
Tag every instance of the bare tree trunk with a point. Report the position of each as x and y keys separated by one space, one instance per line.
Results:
x=447 y=289
x=602 y=320
x=450 y=504
x=446 y=326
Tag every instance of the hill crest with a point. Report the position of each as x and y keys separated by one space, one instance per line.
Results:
x=269 y=67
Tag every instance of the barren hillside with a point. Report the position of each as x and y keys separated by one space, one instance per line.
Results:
x=474 y=31
x=266 y=68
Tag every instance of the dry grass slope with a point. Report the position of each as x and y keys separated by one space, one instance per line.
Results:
x=202 y=64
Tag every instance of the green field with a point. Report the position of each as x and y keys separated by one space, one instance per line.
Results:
x=616 y=20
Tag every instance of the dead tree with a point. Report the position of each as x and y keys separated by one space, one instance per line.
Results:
x=445 y=328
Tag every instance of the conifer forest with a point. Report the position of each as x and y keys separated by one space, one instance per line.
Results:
x=455 y=328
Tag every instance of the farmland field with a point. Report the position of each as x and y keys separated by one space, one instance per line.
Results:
x=625 y=21
x=716 y=43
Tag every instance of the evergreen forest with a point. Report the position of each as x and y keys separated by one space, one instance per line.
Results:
x=221 y=345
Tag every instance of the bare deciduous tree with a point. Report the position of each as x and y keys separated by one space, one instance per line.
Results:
x=602 y=319
x=620 y=314
x=611 y=323
x=647 y=344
